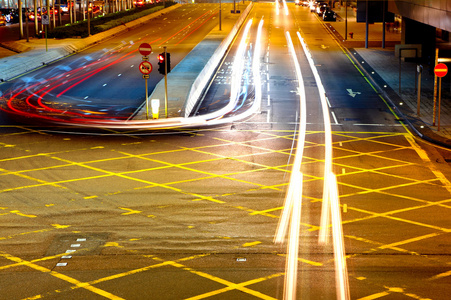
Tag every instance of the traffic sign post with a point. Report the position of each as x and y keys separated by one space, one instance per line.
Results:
x=45 y=21
x=145 y=49
x=440 y=71
x=145 y=68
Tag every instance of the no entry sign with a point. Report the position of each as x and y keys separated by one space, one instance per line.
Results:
x=441 y=70
x=145 y=49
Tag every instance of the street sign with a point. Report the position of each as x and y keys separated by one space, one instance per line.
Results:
x=441 y=70
x=45 y=20
x=145 y=49
x=145 y=67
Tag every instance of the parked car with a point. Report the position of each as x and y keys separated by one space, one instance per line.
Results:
x=6 y=13
x=329 y=15
x=320 y=9
x=2 y=19
x=31 y=16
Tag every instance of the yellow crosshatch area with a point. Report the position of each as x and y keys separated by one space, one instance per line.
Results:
x=154 y=211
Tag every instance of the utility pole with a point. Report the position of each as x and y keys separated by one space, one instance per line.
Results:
x=165 y=82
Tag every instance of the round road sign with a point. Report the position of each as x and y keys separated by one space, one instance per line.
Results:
x=145 y=49
x=441 y=70
x=145 y=67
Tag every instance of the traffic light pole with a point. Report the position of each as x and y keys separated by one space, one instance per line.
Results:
x=165 y=83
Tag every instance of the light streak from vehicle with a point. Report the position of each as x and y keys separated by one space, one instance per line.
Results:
x=331 y=202
x=237 y=73
x=341 y=270
x=238 y=65
x=285 y=216
x=256 y=65
x=291 y=265
x=325 y=211
x=285 y=7
x=291 y=213
x=276 y=2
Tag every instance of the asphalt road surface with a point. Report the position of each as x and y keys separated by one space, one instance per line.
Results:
x=105 y=80
x=192 y=214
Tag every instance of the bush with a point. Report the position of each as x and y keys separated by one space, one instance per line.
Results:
x=103 y=23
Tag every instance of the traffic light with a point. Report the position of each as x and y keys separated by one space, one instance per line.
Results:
x=161 y=63
x=168 y=58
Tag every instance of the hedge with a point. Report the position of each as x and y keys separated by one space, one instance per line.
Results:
x=103 y=23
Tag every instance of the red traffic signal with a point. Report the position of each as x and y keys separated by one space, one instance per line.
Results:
x=161 y=58
x=162 y=69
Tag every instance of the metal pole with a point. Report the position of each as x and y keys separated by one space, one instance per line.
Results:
x=89 y=18
x=165 y=82
x=147 y=102
x=435 y=89
x=220 y=9
x=346 y=20
x=46 y=46
x=419 y=69
x=383 y=24
x=26 y=21
x=19 y=3
x=366 y=25
x=36 y=27
x=59 y=12
x=439 y=100
x=399 y=89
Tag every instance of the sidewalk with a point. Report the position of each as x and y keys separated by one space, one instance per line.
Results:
x=383 y=69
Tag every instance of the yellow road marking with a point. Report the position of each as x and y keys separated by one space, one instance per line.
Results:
x=58 y=275
x=130 y=211
x=375 y=296
x=441 y=275
x=251 y=244
x=231 y=286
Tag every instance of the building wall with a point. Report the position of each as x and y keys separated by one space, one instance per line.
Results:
x=436 y=13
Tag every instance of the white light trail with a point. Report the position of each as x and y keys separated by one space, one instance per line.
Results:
x=238 y=65
x=256 y=65
x=291 y=214
x=285 y=7
x=341 y=270
x=276 y=2
x=325 y=212
x=293 y=245
x=331 y=202
x=284 y=219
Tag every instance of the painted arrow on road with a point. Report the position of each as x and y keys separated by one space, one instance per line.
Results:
x=353 y=94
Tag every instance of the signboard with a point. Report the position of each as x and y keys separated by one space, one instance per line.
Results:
x=145 y=67
x=441 y=70
x=45 y=20
x=375 y=11
x=145 y=49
